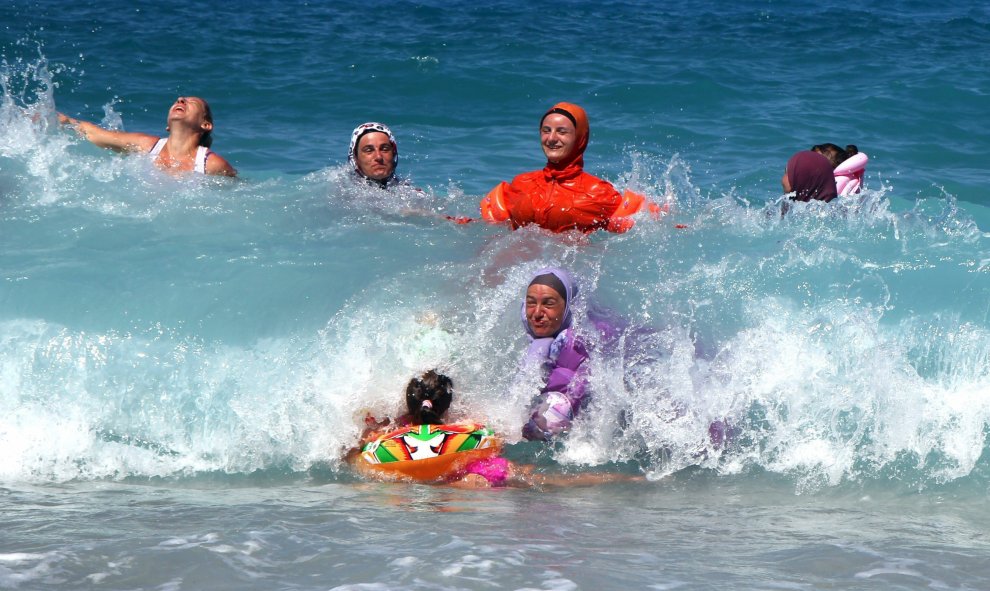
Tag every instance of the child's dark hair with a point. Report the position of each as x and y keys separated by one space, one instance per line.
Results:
x=428 y=397
x=834 y=153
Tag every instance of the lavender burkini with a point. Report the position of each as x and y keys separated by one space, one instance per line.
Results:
x=564 y=360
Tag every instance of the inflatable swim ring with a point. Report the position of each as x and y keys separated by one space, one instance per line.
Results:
x=849 y=174
x=427 y=453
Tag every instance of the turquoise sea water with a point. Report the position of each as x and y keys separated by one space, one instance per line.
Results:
x=184 y=361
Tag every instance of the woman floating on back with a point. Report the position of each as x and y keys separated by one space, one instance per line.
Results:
x=186 y=149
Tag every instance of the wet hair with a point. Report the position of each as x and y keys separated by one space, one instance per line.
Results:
x=428 y=397
x=834 y=153
x=206 y=140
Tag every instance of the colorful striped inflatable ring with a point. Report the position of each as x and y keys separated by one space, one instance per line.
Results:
x=427 y=453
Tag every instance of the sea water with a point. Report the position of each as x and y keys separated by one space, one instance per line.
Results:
x=184 y=361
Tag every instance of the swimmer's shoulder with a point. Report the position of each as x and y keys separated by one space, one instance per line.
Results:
x=218 y=165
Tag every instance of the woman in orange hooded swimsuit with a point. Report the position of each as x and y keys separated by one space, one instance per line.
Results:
x=562 y=196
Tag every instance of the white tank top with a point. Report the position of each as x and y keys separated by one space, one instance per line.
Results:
x=202 y=153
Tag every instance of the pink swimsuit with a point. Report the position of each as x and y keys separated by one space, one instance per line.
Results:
x=494 y=470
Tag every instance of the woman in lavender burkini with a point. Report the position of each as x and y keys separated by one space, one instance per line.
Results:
x=563 y=355
x=547 y=319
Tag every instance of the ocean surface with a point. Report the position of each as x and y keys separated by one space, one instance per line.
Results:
x=184 y=361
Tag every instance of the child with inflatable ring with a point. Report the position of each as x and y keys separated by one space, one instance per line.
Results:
x=422 y=439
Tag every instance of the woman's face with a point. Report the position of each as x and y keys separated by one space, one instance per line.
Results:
x=375 y=156
x=558 y=137
x=190 y=109
x=544 y=310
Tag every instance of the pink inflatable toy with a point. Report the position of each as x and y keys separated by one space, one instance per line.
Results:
x=849 y=174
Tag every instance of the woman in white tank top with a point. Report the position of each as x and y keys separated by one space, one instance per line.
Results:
x=186 y=149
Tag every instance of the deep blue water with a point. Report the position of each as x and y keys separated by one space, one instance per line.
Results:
x=182 y=363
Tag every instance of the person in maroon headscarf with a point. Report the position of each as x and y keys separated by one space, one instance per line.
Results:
x=561 y=196
x=809 y=176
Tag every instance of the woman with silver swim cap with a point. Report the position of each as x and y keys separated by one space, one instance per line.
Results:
x=374 y=154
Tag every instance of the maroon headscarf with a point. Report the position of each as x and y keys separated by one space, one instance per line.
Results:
x=810 y=175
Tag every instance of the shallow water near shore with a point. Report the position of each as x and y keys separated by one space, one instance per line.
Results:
x=183 y=362
x=687 y=532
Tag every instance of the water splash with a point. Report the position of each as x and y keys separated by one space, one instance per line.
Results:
x=156 y=326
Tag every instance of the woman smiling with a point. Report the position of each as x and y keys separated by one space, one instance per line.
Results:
x=185 y=149
x=561 y=196
x=546 y=318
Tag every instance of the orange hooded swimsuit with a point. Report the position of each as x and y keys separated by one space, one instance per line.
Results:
x=562 y=196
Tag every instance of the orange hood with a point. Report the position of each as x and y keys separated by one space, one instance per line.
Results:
x=576 y=162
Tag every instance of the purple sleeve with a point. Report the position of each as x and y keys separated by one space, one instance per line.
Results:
x=570 y=374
